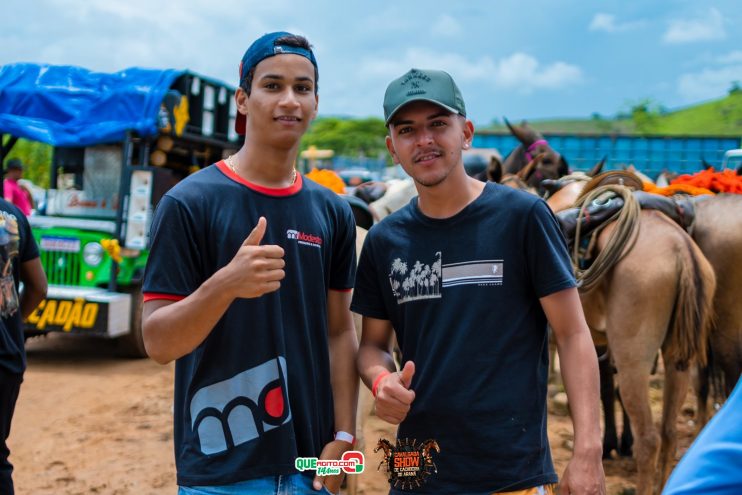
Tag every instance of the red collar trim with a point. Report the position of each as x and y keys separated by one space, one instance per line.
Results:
x=270 y=191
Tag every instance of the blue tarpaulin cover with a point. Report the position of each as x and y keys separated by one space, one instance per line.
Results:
x=72 y=106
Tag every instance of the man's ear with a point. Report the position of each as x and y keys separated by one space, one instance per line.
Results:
x=240 y=99
x=390 y=147
x=468 y=133
x=316 y=106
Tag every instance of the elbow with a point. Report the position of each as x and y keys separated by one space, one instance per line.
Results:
x=152 y=347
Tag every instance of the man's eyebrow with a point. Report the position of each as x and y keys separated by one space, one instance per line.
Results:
x=438 y=115
x=279 y=77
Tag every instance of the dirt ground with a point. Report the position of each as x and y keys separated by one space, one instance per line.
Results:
x=90 y=422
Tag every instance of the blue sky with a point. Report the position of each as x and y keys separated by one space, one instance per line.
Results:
x=518 y=59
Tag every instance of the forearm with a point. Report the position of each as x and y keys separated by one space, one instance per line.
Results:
x=579 y=365
x=372 y=361
x=30 y=299
x=344 y=378
x=175 y=330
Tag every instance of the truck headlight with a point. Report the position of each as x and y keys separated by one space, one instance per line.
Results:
x=92 y=254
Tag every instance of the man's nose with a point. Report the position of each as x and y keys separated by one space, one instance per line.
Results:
x=424 y=137
x=289 y=98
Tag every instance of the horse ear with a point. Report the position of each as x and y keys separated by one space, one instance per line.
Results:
x=519 y=133
x=597 y=168
x=494 y=169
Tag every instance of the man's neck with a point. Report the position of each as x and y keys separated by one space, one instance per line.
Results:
x=269 y=167
x=449 y=197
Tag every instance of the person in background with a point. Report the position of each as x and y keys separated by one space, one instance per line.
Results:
x=12 y=191
x=19 y=259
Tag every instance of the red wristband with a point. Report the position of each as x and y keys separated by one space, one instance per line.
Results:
x=378 y=379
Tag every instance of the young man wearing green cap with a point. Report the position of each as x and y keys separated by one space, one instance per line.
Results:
x=467 y=275
x=247 y=287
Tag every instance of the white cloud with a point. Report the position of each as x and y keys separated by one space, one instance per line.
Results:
x=730 y=58
x=607 y=23
x=447 y=26
x=708 y=83
x=519 y=71
x=705 y=28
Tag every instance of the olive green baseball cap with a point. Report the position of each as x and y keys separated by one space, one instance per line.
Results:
x=435 y=86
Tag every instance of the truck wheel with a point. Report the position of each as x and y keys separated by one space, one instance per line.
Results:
x=132 y=344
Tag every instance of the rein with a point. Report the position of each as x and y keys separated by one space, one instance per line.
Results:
x=624 y=235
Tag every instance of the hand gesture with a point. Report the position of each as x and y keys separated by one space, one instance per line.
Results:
x=256 y=270
x=393 y=396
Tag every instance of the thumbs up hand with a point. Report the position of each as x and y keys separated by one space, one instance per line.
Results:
x=393 y=395
x=256 y=269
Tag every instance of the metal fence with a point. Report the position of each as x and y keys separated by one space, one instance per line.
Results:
x=651 y=154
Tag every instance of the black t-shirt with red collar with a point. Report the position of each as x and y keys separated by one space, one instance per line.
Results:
x=256 y=393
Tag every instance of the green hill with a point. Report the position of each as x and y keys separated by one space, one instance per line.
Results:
x=721 y=117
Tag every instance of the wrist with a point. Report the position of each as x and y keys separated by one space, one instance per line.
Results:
x=588 y=449
x=344 y=436
x=375 y=386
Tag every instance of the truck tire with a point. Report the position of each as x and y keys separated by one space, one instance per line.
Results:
x=132 y=344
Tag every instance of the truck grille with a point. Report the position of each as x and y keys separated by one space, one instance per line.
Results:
x=61 y=268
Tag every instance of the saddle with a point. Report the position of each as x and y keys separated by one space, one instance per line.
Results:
x=680 y=208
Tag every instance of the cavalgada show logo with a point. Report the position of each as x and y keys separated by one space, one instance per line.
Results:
x=408 y=463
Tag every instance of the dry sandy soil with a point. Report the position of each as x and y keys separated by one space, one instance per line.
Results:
x=88 y=422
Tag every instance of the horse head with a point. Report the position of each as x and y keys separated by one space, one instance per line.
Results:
x=552 y=164
x=383 y=444
x=429 y=445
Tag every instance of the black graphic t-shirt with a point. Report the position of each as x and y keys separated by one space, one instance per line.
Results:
x=463 y=296
x=17 y=246
x=256 y=393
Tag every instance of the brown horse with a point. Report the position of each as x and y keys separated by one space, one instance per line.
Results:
x=657 y=297
x=718 y=232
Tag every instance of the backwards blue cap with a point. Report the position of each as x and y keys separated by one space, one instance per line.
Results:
x=262 y=48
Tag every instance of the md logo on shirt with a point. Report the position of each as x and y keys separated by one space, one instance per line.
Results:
x=242 y=408
x=303 y=238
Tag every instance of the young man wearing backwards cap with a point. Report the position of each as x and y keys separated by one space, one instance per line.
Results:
x=468 y=275
x=247 y=287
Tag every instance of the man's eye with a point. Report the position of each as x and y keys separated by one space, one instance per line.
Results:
x=303 y=88
x=271 y=86
x=438 y=123
x=404 y=130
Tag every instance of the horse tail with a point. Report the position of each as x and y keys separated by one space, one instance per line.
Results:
x=693 y=316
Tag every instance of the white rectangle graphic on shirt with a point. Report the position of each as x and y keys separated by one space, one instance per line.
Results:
x=484 y=272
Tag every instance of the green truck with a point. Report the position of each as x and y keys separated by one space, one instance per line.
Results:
x=114 y=156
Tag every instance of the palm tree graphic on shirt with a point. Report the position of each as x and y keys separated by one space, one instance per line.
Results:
x=421 y=282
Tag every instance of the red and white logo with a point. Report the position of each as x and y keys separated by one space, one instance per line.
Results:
x=303 y=238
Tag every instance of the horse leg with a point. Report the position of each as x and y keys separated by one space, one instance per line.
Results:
x=627 y=438
x=633 y=382
x=675 y=389
x=607 y=398
x=702 y=385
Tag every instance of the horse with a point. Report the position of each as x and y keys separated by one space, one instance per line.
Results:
x=552 y=166
x=386 y=446
x=718 y=232
x=656 y=297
